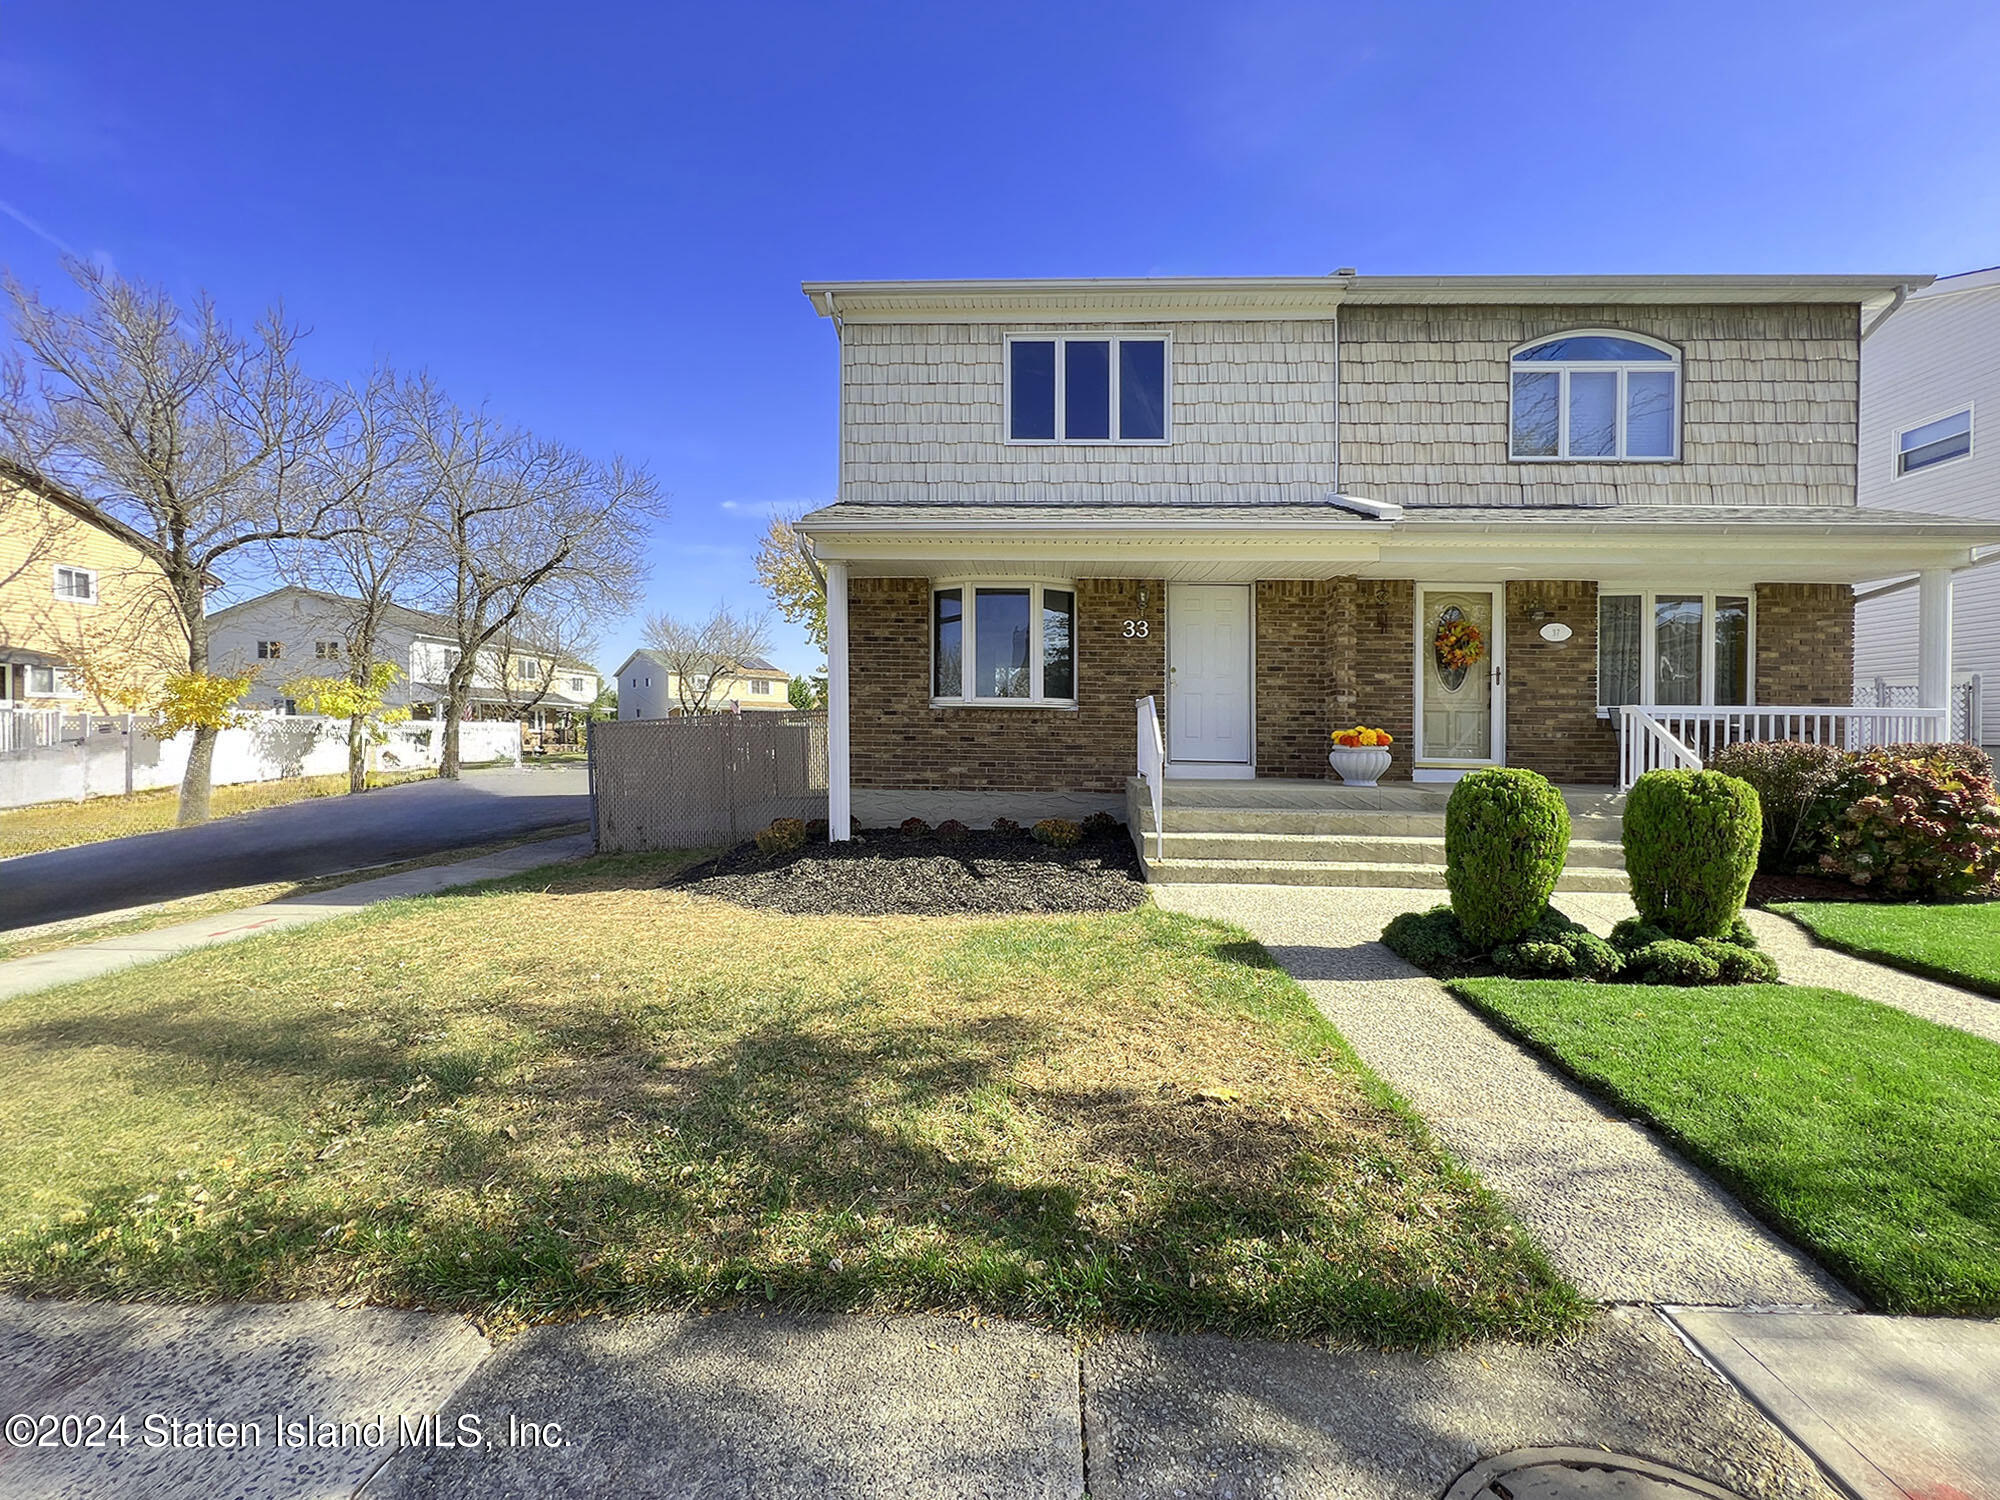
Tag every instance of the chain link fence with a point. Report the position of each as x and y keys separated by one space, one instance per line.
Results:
x=711 y=779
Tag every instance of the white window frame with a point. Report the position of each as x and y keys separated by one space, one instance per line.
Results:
x=60 y=685
x=1060 y=339
x=968 y=609
x=1649 y=644
x=55 y=583
x=1623 y=367
x=1896 y=469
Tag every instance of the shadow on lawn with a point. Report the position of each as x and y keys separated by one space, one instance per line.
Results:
x=812 y=1159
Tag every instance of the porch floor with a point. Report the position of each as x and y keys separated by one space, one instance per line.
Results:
x=1277 y=792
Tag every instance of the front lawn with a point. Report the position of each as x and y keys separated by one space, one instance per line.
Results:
x=1957 y=944
x=578 y=1091
x=1868 y=1136
x=62 y=825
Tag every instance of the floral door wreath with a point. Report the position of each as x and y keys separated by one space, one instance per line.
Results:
x=1458 y=643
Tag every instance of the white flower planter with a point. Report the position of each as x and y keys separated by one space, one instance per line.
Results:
x=1359 y=765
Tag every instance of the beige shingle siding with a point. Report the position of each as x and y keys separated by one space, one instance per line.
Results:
x=922 y=411
x=1769 y=414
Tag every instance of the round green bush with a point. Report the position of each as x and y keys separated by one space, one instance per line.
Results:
x=1057 y=833
x=1691 y=841
x=1506 y=834
x=1671 y=961
x=1432 y=941
x=1738 y=963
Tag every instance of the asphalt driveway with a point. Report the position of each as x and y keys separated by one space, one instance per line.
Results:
x=317 y=837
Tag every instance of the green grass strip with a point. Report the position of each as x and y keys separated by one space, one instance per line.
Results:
x=1956 y=944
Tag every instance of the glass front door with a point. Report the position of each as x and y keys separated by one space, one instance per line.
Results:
x=1458 y=676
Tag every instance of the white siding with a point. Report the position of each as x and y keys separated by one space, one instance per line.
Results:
x=922 y=405
x=1935 y=356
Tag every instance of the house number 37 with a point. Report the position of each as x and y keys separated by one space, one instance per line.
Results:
x=1136 y=630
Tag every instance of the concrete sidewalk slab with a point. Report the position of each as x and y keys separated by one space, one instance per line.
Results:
x=1618 y=1212
x=238 y=1363
x=1199 y=1415
x=1803 y=959
x=736 y=1405
x=23 y=976
x=1895 y=1408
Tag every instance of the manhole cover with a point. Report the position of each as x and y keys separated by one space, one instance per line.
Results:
x=1578 y=1474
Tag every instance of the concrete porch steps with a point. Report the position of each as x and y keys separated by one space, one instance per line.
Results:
x=1315 y=833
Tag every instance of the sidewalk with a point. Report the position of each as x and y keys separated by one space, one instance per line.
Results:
x=1619 y=1214
x=1803 y=959
x=782 y=1407
x=23 y=975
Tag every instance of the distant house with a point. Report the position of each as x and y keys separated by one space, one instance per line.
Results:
x=79 y=589
x=649 y=689
x=1929 y=377
x=295 y=632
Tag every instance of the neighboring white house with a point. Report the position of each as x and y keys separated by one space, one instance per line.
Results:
x=648 y=688
x=295 y=632
x=1930 y=392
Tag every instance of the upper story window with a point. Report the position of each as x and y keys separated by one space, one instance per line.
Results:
x=1601 y=396
x=576 y=684
x=79 y=585
x=270 y=650
x=761 y=685
x=1011 y=643
x=526 y=670
x=1087 y=389
x=1934 y=442
x=326 y=650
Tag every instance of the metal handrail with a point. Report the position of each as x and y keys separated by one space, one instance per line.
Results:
x=1153 y=769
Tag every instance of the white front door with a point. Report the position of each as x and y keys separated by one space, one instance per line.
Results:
x=1208 y=674
x=1460 y=655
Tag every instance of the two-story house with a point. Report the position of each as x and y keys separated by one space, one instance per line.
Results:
x=1584 y=524
x=649 y=688
x=1929 y=376
x=294 y=632
x=87 y=621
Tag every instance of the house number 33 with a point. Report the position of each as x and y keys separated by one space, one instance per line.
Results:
x=1136 y=630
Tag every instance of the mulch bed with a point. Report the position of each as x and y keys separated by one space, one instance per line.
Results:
x=1764 y=889
x=880 y=872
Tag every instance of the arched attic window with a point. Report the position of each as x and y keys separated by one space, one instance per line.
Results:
x=1599 y=396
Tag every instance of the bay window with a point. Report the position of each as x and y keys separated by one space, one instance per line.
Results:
x=1003 y=644
x=1673 y=649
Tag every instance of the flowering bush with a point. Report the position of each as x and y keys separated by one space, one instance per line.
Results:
x=1917 y=821
x=1458 y=643
x=1360 y=737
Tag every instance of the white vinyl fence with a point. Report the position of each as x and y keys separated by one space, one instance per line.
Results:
x=106 y=755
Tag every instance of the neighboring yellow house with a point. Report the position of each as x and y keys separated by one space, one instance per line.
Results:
x=87 y=622
x=649 y=689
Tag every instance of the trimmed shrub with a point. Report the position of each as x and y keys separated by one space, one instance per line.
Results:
x=1557 y=948
x=915 y=828
x=1794 y=784
x=1672 y=961
x=1916 y=821
x=1739 y=963
x=818 y=829
x=782 y=836
x=1432 y=941
x=1101 y=825
x=1057 y=833
x=1506 y=834
x=1006 y=825
x=1691 y=841
x=951 y=830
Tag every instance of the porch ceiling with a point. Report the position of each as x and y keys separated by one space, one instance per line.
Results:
x=1718 y=545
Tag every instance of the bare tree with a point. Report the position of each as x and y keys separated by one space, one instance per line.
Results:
x=537 y=649
x=193 y=434
x=706 y=656
x=514 y=524
x=374 y=553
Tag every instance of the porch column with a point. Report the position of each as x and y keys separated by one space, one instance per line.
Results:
x=839 y=796
x=1934 y=640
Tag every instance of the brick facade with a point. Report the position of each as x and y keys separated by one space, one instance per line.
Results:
x=1329 y=653
x=1552 y=722
x=898 y=740
x=1805 y=643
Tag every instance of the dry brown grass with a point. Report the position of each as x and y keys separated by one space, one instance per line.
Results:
x=582 y=1091
x=62 y=825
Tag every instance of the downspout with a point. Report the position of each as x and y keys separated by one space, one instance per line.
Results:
x=1336 y=398
x=1895 y=303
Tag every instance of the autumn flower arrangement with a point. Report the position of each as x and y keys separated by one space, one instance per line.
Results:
x=1459 y=644
x=1360 y=737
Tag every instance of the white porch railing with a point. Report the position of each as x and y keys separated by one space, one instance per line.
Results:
x=30 y=728
x=1153 y=769
x=1655 y=739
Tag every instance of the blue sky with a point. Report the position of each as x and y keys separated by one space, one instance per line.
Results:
x=596 y=216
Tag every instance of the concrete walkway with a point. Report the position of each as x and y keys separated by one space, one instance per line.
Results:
x=749 y=1404
x=1621 y=1215
x=22 y=976
x=1802 y=959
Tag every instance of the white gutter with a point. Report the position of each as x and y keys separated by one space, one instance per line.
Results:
x=1895 y=302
